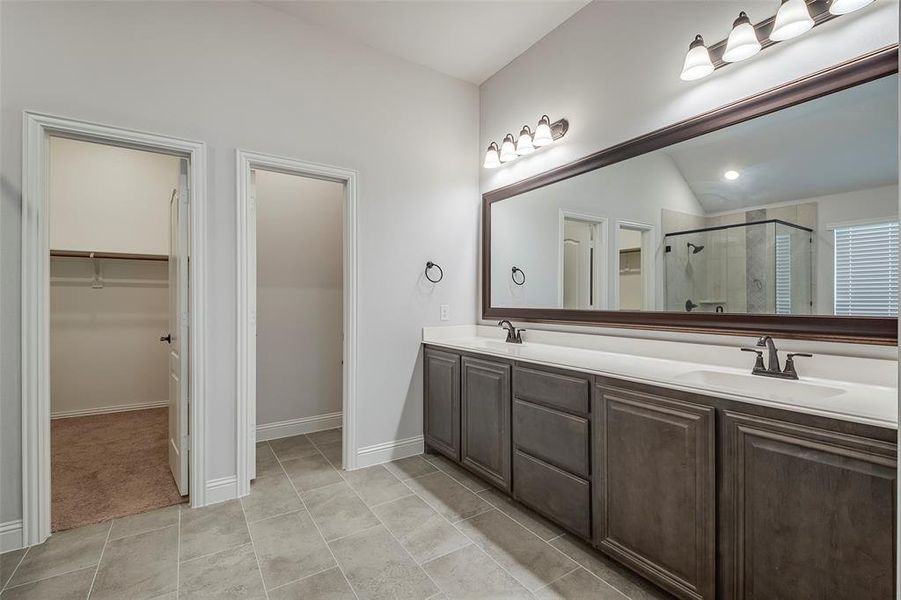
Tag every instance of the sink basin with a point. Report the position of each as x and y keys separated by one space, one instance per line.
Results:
x=496 y=345
x=759 y=385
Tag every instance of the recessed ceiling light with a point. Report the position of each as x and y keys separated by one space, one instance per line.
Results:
x=731 y=175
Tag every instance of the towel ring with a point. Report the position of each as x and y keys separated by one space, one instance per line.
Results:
x=429 y=265
x=513 y=276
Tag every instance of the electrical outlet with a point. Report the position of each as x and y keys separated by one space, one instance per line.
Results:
x=445 y=312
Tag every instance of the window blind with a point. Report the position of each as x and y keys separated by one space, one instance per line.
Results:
x=783 y=274
x=866 y=270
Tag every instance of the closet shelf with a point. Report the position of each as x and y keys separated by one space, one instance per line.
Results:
x=108 y=255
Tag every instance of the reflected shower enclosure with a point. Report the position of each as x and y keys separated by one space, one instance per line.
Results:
x=758 y=267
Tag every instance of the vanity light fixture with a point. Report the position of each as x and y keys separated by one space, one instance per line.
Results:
x=731 y=175
x=508 y=149
x=697 y=61
x=492 y=159
x=843 y=7
x=546 y=133
x=793 y=19
x=524 y=144
x=543 y=135
x=743 y=42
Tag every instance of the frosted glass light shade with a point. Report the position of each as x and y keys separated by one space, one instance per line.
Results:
x=843 y=7
x=792 y=20
x=742 y=43
x=492 y=160
x=508 y=149
x=697 y=61
x=543 y=135
x=524 y=143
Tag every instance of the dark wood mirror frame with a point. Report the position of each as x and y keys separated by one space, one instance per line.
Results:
x=863 y=330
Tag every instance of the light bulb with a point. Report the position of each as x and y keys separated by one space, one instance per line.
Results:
x=524 y=143
x=492 y=160
x=731 y=175
x=792 y=20
x=508 y=149
x=543 y=135
x=697 y=61
x=742 y=43
x=843 y=7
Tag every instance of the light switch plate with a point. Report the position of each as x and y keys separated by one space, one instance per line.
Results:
x=445 y=312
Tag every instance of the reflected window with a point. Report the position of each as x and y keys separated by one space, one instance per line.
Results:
x=866 y=270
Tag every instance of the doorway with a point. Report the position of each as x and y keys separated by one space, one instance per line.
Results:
x=583 y=261
x=635 y=273
x=112 y=378
x=296 y=306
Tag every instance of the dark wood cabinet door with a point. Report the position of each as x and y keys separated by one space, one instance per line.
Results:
x=441 y=426
x=485 y=430
x=806 y=514
x=655 y=486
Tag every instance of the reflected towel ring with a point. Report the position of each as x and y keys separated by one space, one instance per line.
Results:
x=430 y=265
x=513 y=276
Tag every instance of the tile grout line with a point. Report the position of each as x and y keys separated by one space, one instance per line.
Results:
x=219 y=551
x=12 y=587
x=394 y=537
x=16 y=568
x=511 y=517
x=556 y=579
x=312 y=520
x=100 y=560
x=471 y=541
x=280 y=586
x=254 y=549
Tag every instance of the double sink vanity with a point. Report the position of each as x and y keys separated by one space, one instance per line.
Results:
x=704 y=479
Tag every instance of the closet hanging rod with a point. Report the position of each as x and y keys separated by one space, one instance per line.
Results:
x=109 y=255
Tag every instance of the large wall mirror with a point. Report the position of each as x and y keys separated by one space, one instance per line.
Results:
x=776 y=214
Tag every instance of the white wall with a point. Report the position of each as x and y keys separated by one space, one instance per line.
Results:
x=109 y=199
x=105 y=352
x=300 y=316
x=243 y=75
x=525 y=229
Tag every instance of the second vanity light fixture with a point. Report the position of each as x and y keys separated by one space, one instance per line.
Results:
x=794 y=18
x=528 y=142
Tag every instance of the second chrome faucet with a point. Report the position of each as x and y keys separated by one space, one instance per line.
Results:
x=514 y=335
x=772 y=368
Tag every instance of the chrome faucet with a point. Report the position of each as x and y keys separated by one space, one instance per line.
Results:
x=514 y=335
x=773 y=369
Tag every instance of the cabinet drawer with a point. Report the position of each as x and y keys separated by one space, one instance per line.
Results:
x=561 y=497
x=565 y=392
x=555 y=437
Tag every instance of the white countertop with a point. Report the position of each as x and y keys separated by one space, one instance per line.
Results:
x=868 y=403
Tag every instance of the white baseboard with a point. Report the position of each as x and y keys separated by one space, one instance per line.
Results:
x=10 y=536
x=220 y=490
x=102 y=410
x=388 y=451
x=273 y=431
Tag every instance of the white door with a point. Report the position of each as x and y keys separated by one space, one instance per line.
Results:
x=178 y=331
x=578 y=264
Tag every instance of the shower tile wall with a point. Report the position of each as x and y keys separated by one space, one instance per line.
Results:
x=723 y=274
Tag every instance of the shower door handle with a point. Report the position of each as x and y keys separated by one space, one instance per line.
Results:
x=167 y=338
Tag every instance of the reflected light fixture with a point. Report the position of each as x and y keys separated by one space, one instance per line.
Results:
x=843 y=7
x=543 y=135
x=731 y=174
x=508 y=149
x=697 y=61
x=742 y=43
x=524 y=144
x=492 y=160
x=792 y=20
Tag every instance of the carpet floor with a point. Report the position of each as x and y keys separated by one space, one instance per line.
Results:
x=108 y=466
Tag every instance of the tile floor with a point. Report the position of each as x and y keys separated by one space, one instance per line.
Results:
x=419 y=527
